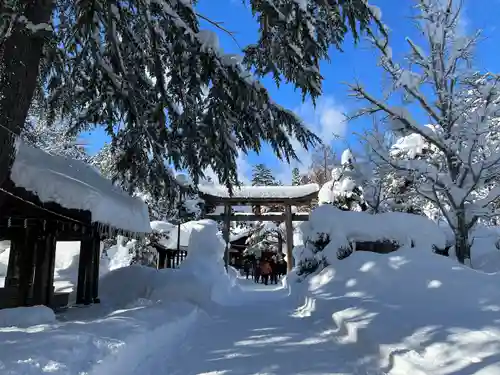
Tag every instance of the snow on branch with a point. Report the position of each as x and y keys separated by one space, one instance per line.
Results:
x=453 y=161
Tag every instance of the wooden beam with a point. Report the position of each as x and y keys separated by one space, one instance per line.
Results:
x=289 y=237
x=263 y=201
x=227 y=224
x=253 y=217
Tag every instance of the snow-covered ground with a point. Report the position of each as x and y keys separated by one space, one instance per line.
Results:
x=408 y=312
x=143 y=312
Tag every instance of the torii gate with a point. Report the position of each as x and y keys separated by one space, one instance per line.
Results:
x=258 y=196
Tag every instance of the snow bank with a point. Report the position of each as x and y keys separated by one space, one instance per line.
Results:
x=343 y=227
x=74 y=184
x=485 y=247
x=140 y=306
x=26 y=316
x=485 y=254
x=89 y=342
x=205 y=260
x=278 y=192
x=412 y=310
x=201 y=279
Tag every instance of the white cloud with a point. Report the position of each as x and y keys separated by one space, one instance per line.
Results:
x=326 y=120
x=243 y=167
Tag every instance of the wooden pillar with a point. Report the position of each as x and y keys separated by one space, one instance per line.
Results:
x=91 y=273
x=162 y=256
x=95 y=269
x=280 y=242
x=289 y=237
x=12 y=277
x=51 y=244
x=169 y=259
x=41 y=273
x=80 y=286
x=27 y=247
x=227 y=225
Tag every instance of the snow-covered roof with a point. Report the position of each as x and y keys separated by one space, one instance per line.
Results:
x=235 y=236
x=171 y=241
x=162 y=226
x=76 y=185
x=256 y=192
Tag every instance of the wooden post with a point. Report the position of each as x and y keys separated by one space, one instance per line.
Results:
x=41 y=273
x=27 y=257
x=162 y=256
x=280 y=243
x=80 y=287
x=95 y=270
x=289 y=237
x=91 y=276
x=51 y=244
x=12 y=277
x=227 y=224
x=170 y=259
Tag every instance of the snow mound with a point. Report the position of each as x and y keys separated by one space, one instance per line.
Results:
x=26 y=316
x=76 y=185
x=144 y=286
x=205 y=261
x=201 y=279
x=343 y=227
x=412 y=310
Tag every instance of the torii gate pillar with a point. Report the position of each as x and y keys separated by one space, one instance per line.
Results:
x=226 y=231
x=289 y=237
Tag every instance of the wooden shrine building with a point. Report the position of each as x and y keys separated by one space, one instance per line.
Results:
x=51 y=198
x=257 y=197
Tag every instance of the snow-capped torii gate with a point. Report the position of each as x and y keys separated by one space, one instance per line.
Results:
x=258 y=196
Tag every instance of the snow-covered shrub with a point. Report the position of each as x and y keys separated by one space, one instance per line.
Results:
x=330 y=233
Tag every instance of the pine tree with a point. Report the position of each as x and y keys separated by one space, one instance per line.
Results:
x=296 y=180
x=54 y=139
x=263 y=176
x=159 y=84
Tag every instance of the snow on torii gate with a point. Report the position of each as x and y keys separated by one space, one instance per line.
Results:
x=286 y=196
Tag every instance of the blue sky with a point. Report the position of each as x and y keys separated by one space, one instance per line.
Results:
x=354 y=63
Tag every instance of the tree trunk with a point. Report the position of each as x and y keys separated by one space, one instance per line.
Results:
x=20 y=56
x=462 y=247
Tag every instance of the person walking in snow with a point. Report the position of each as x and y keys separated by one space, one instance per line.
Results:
x=246 y=268
x=256 y=272
x=265 y=271
x=274 y=270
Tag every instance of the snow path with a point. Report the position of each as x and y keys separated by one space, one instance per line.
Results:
x=265 y=336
